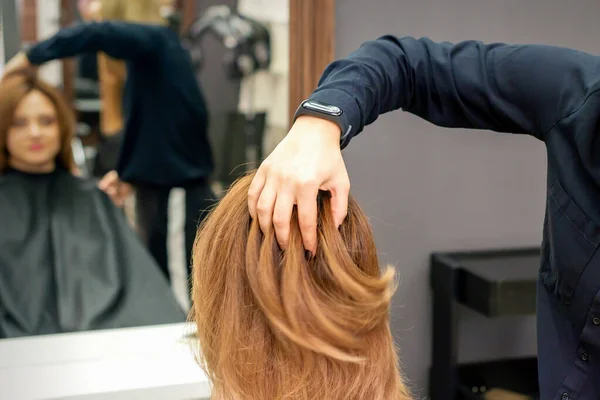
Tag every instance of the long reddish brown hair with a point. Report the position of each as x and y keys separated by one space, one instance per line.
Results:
x=15 y=87
x=276 y=325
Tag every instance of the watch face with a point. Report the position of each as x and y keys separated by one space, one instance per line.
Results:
x=322 y=108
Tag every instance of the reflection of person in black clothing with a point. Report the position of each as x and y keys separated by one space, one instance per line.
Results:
x=165 y=144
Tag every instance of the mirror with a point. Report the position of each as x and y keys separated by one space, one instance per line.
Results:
x=102 y=264
x=103 y=242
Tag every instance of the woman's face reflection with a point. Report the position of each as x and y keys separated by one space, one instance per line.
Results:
x=33 y=140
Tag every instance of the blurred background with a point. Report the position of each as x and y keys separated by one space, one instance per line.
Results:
x=247 y=104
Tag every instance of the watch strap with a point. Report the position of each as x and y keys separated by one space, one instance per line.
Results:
x=327 y=112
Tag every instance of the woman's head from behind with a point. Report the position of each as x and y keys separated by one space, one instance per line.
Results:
x=36 y=126
x=275 y=324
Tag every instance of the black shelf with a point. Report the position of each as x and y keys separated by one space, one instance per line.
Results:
x=495 y=283
x=476 y=379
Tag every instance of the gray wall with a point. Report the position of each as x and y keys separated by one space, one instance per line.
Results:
x=429 y=189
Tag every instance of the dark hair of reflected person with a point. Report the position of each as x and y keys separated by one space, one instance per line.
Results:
x=274 y=324
x=14 y=87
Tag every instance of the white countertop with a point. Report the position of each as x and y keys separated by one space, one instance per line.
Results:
x=154 y=362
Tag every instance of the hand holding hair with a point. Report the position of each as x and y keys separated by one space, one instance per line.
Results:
x=307 y=160
x=17 y=63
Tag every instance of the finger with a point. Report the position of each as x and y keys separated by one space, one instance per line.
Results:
x=108 y=187
x=103 y=184
x=117 y=201
x=255 y=190
x=339 y=203
x=109 y=179
x=264 y=207
x=282 y=216
x=307 y=217
x=126 y=188
x=121 y=200
x=120 y=197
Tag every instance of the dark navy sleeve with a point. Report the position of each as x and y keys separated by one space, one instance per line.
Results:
x=119 y=40
x=500 y=87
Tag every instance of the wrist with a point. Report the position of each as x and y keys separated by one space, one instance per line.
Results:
x=325 y=112
x=24 y=60
x=323 y=128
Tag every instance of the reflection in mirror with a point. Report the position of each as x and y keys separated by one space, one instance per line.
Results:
x=109 y=160
x=158 y=145
x=69 y=260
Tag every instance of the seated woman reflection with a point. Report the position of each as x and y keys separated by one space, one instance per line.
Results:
x=69 y=261
x=279 y=325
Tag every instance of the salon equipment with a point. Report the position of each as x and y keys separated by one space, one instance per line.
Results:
x=246 y=40
x=150 y=362
x=79 y=152
x=234 y=136
x=248 y=51
x=88 y=107
x=496 y=284
x=88 y=121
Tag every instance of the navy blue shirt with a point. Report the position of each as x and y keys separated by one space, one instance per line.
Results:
x=166 y=141
x=548 y=92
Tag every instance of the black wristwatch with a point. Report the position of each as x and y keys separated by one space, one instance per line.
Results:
x=326 y=111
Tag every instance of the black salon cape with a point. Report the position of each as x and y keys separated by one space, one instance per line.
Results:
x=70 y=262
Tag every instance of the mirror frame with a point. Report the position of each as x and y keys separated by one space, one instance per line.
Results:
x=69 y=68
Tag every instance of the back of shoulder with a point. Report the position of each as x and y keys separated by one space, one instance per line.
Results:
x=148 y=37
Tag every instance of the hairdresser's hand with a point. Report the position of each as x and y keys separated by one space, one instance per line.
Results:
x=18 y=62
x=90 y=10
x=117 y=190
x=307 y=159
